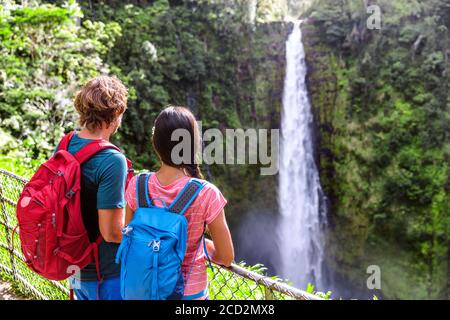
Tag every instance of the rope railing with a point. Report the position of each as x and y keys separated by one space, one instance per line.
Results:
x=234 y=283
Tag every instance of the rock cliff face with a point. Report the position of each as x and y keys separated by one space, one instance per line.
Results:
x=376 y=95
x=263 y=69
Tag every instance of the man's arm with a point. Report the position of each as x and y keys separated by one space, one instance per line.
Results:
x=111 y=223
x=111 y=198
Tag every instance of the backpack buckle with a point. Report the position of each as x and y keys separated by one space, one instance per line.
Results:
x=126 y=230
x=70 y=194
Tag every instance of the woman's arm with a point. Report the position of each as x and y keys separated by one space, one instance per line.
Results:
x=129 y=213
x=220 y=248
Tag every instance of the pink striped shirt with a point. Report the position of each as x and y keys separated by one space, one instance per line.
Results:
x=205 y=208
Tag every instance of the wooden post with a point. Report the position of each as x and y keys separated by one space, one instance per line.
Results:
x=268 y=294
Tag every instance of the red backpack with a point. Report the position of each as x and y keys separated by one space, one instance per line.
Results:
x=53 y=237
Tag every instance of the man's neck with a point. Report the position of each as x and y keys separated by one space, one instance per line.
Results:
x=98 y=134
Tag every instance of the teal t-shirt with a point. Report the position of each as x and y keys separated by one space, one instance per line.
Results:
x=102 y=187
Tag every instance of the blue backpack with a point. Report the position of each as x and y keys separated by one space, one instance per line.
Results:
x=154 y=245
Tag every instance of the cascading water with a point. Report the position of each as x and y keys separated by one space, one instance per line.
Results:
x=300 y=195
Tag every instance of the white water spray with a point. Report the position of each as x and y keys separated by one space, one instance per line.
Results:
x=300 y=194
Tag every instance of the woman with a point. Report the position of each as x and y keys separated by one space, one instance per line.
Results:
x=207 y=208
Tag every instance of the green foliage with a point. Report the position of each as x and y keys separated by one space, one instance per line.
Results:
x=46 y=56
x=172 y=55
x=323 y=295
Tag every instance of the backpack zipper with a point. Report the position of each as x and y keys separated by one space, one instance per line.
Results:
x=156 y=245
x=40 y=242
x=38 y=202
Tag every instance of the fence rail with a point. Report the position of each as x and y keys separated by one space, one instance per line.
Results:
x=234 y=283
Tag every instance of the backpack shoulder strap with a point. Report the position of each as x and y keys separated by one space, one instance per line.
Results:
x=64 y=143
x=92 y=148
x=142 y=193
x=186 y=196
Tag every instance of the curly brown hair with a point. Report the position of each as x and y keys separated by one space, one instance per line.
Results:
x=101 y=100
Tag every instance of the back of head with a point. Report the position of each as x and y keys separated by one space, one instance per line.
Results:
x=101 y=100
x=168 y=121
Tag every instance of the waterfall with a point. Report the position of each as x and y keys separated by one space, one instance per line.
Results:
x=300 y=194
x=252 y=8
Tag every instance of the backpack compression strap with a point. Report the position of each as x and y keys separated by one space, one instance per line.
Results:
x=179 y=205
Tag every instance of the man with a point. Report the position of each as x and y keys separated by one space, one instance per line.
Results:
x=100 y=105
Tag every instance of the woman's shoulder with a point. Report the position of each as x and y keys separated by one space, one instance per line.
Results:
x=210 y=192
x=207 y=186
x=210 y=201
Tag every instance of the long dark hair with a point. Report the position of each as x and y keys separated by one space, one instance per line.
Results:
x=169 y=120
